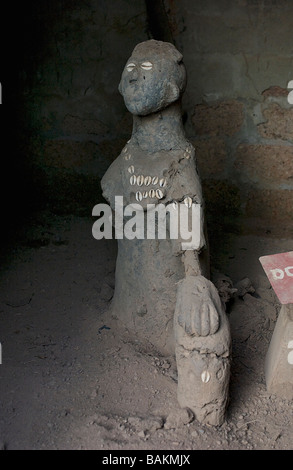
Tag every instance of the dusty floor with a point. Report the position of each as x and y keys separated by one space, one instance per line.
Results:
x=72 y=379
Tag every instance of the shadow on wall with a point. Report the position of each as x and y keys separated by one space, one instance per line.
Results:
x=62 y=110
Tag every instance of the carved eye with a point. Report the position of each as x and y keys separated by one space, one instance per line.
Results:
x=146 y=65
x=130 y=66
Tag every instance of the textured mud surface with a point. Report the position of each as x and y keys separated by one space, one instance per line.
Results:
x=73 y=379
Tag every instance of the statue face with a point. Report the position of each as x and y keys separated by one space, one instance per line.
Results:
x=147 y=84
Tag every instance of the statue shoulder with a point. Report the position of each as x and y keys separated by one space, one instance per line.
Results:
x=111 y=182
x=186 y=180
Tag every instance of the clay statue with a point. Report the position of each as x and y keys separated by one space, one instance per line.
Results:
x=162 y=290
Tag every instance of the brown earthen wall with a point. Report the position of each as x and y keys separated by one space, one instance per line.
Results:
x=239 y=60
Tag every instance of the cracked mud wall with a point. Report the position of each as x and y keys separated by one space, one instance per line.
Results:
x=73 y=122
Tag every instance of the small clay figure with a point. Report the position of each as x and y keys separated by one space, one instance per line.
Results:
x=162 y=291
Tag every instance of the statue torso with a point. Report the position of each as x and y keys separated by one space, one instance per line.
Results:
x=149 y=178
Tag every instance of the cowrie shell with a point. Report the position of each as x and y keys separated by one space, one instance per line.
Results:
x=127 y=157
x=188 y=202
x=130 y=67
x=155 y=180
x=125 y=150
x=146 y=65
x=140 y=180
x=159 y=194
x=152 y=193
x=145 y=194
x=131 y=169
x=132 y=180
x=162 y=182
x=138 y=196
x=205 y=376
x=147 y=180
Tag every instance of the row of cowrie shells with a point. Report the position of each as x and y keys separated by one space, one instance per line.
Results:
x=187 y=201
x=128 y=155
x=141 y=180
x=187 y=153
x=139 y=196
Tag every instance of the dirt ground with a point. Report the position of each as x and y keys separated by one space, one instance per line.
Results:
x=71 y=378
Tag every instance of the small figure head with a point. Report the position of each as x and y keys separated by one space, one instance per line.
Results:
x=153 y=78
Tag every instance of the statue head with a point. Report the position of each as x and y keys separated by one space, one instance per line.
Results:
x=153 y=78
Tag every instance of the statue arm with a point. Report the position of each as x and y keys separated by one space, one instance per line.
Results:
x=200 y=314
x=199 y=307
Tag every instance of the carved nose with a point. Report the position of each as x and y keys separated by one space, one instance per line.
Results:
x=133 y=76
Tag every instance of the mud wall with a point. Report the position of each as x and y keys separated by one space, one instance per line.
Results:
x=239 y=58
x=73 y=123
